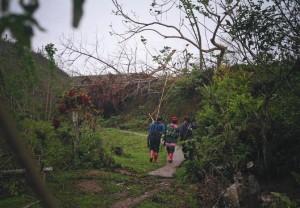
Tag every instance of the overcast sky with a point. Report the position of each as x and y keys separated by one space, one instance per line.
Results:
x=56 y=17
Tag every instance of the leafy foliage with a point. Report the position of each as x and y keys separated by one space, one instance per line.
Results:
x=228 y=109
x=74 y=100
x=283 y=201
x=19 y=86
x=21 y=25
x=236 y=125
x=271 y=29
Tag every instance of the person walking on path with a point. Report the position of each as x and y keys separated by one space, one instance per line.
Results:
x=156 y=131
x=186 y=136
x=170 y=138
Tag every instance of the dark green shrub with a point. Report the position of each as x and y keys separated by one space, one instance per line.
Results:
x=12 y=185
x=228 y=110
x=92 y=152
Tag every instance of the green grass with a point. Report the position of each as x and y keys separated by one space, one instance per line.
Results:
x=115 y=185
x=136 y=153
x=130 y=180
x=18 y=201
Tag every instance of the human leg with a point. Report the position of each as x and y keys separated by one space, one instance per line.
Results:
x=156 y=149
x=151 y=155
x=151 y=148
x=171 y=150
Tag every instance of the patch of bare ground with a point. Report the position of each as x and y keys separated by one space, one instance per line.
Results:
x=91 y=186
x=96 y=173
x=131 y=202
x=124 y=172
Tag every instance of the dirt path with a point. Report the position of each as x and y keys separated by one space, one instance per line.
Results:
x=168 y=172
x=130 y=202
x=132 y=132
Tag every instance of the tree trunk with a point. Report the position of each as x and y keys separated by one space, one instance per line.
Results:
x=76 y=131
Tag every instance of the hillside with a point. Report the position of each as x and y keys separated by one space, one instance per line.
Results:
x=28 y=81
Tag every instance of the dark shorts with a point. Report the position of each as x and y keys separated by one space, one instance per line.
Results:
x=154 y=143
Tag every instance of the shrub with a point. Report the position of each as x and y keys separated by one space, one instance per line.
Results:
x=228 y=111
x=92 y=152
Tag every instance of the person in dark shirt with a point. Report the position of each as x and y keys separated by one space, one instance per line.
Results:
x=156 y=130
x=170 y=138
x=186 y=135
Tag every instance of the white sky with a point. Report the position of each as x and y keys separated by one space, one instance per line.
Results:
x=56 y=17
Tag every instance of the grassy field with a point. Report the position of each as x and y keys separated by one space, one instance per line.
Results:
x=135 y=152
x=103 y=187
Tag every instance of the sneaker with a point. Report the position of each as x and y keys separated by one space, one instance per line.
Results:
x=170 y=161
x=151 y=159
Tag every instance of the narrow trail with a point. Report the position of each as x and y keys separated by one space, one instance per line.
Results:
x=131 y=202
x=167 y=172
x=132 y=132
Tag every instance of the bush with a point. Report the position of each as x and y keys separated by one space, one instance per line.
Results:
x=92 y=152
x=237 y=123
x=12 y=186
x=224 y=138
x=54 y=146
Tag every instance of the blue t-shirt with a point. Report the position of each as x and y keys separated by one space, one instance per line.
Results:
x=156 y=128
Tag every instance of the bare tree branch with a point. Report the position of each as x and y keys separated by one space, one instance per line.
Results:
x=135 y=26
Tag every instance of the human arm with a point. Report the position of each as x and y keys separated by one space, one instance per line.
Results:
x=182 y=131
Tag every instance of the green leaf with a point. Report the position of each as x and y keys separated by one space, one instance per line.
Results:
x=20 y=26
x=228 y=22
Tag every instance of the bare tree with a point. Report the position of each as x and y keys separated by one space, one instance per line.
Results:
x=190 y=27
x=80 y=51
x=125 y=60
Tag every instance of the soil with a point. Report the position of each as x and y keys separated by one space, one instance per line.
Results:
x=130 y=202
x=91 y=186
